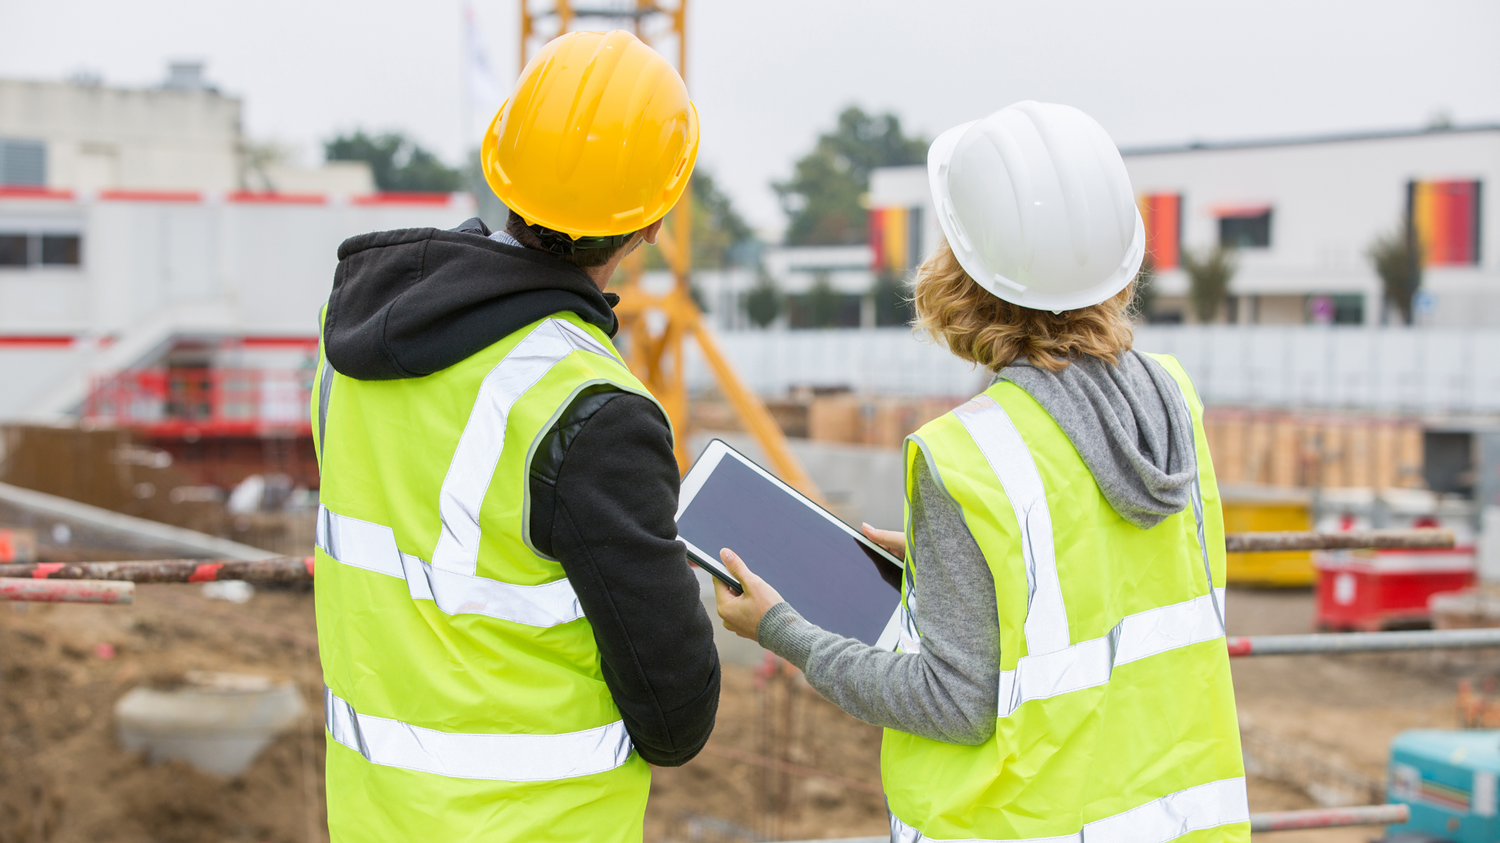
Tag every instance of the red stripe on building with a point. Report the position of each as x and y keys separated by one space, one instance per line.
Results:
x=18 y=192
x=37 y=341
x=402 y=197
x=151 y=195
x=279 y=342
x=278 y=198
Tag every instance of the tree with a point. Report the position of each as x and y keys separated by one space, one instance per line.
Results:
x=1398 y=261
x=822 y=302
x=826 y=194
x=717 y=225
x=1208 y=279
x=763 y=302
x=396 y=161
x=1145 y=291
x=892 y=304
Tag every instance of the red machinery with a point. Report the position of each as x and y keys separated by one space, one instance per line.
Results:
x=1370 y=590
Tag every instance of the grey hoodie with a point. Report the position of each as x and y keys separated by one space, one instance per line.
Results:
x=1130 y=425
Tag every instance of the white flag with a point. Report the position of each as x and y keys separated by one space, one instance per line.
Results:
x=485 y=94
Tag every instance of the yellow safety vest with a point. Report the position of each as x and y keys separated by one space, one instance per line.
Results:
x=464 y=698
x=1116 y=719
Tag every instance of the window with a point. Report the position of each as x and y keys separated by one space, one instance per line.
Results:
x=1245 y=231
x=60 y=250
x=12 y=249
x=23 y=249
x=23 y=162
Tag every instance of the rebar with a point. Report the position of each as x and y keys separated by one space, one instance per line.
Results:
x=276 y=569
x=67 y=591
x=1272 y=542
x=1330 y=817
x=1363 y=642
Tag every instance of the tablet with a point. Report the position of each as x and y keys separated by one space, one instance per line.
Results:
x=827 y=571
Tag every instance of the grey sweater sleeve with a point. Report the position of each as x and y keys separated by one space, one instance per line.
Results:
x=949 y=690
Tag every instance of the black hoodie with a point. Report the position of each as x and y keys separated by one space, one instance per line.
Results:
x=603 y=481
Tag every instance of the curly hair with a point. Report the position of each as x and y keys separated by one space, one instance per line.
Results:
x=982 y=328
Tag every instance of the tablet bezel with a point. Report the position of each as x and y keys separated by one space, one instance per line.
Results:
x=704 y=467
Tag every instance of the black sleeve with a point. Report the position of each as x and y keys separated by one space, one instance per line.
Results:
x=604 y=503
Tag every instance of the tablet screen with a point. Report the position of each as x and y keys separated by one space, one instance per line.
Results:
x=827 y=574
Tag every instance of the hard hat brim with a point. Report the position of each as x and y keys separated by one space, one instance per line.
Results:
x=939 y=156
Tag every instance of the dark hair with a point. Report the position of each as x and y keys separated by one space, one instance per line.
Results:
x=584 y=252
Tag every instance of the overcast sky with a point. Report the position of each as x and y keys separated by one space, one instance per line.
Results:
x=769 y=75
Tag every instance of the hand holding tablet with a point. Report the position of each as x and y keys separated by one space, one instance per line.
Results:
x=835 y=577
x=742 y=611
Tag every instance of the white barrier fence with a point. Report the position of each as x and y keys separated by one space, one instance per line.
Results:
x=1387 y=369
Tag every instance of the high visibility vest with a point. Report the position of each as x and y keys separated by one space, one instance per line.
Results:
x=464 y=698
x=1116 y=719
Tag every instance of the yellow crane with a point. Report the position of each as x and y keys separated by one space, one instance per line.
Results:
x=653 y=324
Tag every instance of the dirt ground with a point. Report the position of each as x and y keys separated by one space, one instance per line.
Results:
x=783 y=764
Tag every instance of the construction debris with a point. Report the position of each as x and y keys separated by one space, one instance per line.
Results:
x=217 y=722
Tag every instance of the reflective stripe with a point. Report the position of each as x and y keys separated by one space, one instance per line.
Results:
x=1161 y=820
x=483 y=437
x=908 y=640
x=1091 y=663
x=371 y=546
x=1048 y=669
x=1009 y=458
x=1208 y=570
x=325 y=391
x=507 y=758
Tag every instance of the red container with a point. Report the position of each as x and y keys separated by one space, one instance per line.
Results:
x=1370 y=590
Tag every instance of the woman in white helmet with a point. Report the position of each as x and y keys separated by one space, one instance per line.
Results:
x=1063 y=672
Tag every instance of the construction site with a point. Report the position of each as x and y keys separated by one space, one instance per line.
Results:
x=160 y=674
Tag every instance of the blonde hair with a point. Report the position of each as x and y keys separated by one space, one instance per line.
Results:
x=985 y=329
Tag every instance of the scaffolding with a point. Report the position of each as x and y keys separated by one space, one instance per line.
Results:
x=654 y=323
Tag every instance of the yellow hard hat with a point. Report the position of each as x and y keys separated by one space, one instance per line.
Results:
x=597 y=139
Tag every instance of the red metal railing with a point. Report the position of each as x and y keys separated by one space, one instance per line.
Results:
x=203 y=401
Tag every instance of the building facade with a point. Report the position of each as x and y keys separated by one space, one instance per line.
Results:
x=1301 y=216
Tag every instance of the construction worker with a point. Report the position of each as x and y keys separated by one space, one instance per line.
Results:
x=509 y=629
x=1062 y=672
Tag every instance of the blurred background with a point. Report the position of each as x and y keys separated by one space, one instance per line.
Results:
x=1317 y=181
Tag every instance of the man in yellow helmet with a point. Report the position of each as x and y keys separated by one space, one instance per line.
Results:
x=508 y=626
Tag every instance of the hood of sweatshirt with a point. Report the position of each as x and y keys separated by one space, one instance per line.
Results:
x=1130 y=426
x=414 y=301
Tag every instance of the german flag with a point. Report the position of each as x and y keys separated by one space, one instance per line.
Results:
x=1445 y=216
x=1162 y=215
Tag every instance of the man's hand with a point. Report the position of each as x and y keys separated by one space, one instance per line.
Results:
x=742 y=612
x=893 y=542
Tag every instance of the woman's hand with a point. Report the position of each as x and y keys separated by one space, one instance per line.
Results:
x=742 y=612
x=893 y=542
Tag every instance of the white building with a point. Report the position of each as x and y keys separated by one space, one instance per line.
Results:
x=141 y=233
x=184 y=135
x=95 y=283
x=1302 y=214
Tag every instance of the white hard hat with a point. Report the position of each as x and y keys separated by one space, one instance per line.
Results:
x=1037 y=207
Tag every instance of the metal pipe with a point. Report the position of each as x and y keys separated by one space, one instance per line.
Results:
x=276 y=569
x=300 y=568
x=1363 y=642
x=1330 y=817
x=66 y=591
x=1423 y=539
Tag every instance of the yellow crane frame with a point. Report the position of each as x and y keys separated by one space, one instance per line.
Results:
x=654 y=324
